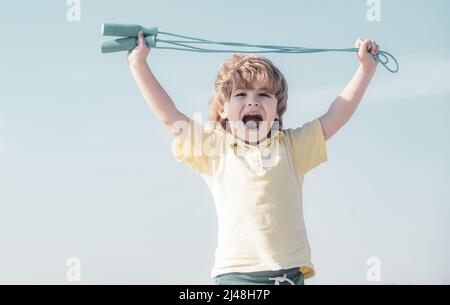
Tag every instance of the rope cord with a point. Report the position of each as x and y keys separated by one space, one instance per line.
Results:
x=382 y=57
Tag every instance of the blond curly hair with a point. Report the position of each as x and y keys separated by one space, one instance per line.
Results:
x=243 y=72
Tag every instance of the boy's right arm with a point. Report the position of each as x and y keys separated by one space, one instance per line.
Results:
x=157 y=98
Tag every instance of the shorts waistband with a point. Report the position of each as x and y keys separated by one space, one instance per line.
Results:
x=291 y=272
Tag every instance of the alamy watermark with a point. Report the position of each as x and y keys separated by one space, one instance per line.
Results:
x=374 y=272
x=201 y=143
x=74 y=10
x=73 y=273
x=374 y=11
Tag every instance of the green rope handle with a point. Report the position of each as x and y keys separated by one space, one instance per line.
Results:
x=151 y=34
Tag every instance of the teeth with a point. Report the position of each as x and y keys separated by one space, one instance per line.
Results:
x=253 y=114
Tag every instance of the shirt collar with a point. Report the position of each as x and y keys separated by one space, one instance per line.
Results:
x=234 y=141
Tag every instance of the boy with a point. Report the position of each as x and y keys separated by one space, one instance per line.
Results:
x=261 y=237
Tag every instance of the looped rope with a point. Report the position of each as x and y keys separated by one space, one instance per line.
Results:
x=382 y=57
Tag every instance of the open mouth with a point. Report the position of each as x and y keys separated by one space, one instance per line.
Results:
x=252 y=120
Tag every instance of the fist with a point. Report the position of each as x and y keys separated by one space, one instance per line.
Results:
x=367 y=48
x=139 y=54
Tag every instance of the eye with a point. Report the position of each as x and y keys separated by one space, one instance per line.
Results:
x=243 y=94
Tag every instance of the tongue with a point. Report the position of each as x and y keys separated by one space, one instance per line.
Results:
x=252 y=124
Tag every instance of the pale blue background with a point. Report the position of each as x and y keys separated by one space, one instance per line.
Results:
x=87 y=171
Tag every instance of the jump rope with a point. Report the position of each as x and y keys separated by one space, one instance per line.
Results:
x=129 y=34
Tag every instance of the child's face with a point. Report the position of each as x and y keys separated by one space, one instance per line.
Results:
x=251 y=113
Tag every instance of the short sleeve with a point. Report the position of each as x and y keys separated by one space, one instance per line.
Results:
x=198 y=148
x=307 y=145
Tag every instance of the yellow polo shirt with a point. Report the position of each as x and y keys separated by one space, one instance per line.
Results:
x=257 y=191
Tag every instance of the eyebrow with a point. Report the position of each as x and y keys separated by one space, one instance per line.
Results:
x=261 y=89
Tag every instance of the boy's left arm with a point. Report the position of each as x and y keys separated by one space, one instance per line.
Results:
x=346 y=103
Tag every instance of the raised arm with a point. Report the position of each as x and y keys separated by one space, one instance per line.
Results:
x=157 y=98
x=346 y=103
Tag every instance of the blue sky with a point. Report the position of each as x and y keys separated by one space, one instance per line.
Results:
x=86 y=170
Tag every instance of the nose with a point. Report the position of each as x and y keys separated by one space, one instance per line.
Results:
x=252 y=103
